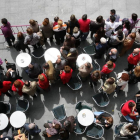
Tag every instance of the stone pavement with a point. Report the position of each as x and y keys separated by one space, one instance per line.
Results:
x=19 y=12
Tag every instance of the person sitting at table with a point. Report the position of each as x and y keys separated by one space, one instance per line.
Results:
x=19 y=44
x=5 y=87
x=70 y=57
x=32 y=129
x=70 y=124
x=68 y=43
x=66 y=74
x=109 y=85
x=30 y=88
x=34 y=70
x=104 y=119
x=107 y=69
x=17 y=87
x=31 y=38
x=49 y=71
x=129 y=130
x=51 y=128
x=128 y=110
x=43 y=82
x=94 y=77
x=12 y=74
x=7 y=134
x=85 y=70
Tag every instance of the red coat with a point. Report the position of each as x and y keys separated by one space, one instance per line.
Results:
x=133 y=59
x=44 y=84
x=126 y=110
x=84 y=25
x=19 y=91
x=65 y=77
x=105 y=69
x=6 y=86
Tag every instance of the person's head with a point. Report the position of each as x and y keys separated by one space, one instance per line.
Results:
x=136 y=51
x=27 y=83
x=31 y=66
x=17 y=84
x=41 y=77
x=110 y=80
x=132 y=35
x=46 y=66
x=96 y=74
x=75 y=30
x=29 y=31
x=20 y=35
x=125 y=76
x=112 y=18
x=31 y=125
x=109 y=120
x=132 y=128
x=103 y=40
x=67 y=69
x=4 y=21
x=1 y=84
x=32 y=22
x=113 y=51
x=60 y=23
x=134 y=16
x=127 y=24
x=99 y=19
x=109 y=64
x=84 y=17
x=120 y=33
x=131 y=104
x=57 y=127
x=72 y=18
x=56 y=19
x=137 y=71
x=88 y=65
x=45 y=22
x=58 y=61
x=68 y=37
x=67 y=123
x=112 y=12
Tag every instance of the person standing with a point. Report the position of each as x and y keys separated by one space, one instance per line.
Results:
x=7 y=32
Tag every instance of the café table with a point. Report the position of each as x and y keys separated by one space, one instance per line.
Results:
x=51 y=54
x=3 y=121
x=23 y=60
x=85 y=117
x=82 y=59
x=17 y=119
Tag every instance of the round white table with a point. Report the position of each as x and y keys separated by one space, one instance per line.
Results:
x=23 y=60
x=3 y=121
x=82 y=59
x=85 y=117
x=51 y=54
x=17 y=119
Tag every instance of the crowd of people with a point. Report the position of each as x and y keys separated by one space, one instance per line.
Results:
x=107 y=35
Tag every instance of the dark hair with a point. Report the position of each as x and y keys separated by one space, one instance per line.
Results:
x=127 y=24
x=57 y=126
x=120 y=32
x=113 y=11
x=67 y=123
x=27 y=83
x=20 y=35
x=112 y=18
x=111 y=80
x=72 y=18
x=139 y=30
x=46 y=66
x=134 y=16
x=1 y=84
x=4 y=21
x=84 y=17
x=88 y=65
x=56 y=19
x=131 y=104
x=132 y=128
x=68 y=37
x=99 y=19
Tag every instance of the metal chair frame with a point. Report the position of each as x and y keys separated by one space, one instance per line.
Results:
x=8 y=112
x=89 y=46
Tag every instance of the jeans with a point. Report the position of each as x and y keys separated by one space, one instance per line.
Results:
x=8 y=39
x=136 y=137
x=84 y=36
x=128 y=118
x=97 y=114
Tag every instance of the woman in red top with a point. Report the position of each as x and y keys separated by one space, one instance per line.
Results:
x=17 y=86
x=108 y=68
x=66 y=74
x=4 y=87
x=43 y=82
x=84 y=26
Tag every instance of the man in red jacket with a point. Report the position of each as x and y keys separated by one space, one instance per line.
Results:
x=133 y=59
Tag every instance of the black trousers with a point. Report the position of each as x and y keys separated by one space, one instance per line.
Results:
x=8 y=39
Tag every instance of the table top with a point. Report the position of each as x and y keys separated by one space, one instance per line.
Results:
x=82 y=59
x=51 y=54
x=3 y=121
x=23 y=60
x=17 y=119
x=85 y=117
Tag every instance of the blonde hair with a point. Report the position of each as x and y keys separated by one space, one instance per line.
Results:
x=50 y=70
x=41 y=77
x=137 y=71
x=60 y=23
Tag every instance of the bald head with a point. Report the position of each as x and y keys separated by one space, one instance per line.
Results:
x=136 y=50
x=114 y=51
x=58 y=61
